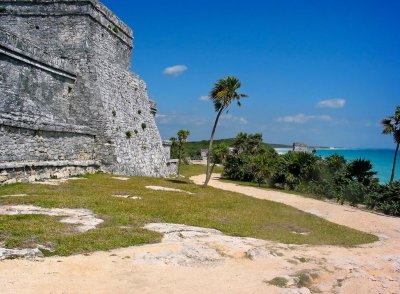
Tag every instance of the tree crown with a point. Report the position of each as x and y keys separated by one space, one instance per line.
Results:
x=225 y=92
x=391 y=125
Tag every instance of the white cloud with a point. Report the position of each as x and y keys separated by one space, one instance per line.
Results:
x=332 y=103
x=230 y=117
x=175 y=71
x=204 y=98
x=180 y=119
x=302 y=118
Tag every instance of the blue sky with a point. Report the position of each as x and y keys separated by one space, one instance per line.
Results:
x=321 y=72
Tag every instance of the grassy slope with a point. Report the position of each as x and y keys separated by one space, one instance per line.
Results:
x=232 y=213
x=197 y=169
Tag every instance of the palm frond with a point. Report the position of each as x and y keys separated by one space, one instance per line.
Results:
x=388 y=129
x=224 y=92
x=397 y=115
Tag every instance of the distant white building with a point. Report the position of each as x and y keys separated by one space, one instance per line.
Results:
x=203 y=154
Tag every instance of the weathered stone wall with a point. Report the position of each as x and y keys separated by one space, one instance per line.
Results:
x=36 y=171
x=74 y=75
x=64 y=27
x=33 y=91
x=130 y=125
x=39 y=145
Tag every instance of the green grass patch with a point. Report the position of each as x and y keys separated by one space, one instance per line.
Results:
x=304 y=280
x=278 y=282
x=232 y=213
x=189 y=170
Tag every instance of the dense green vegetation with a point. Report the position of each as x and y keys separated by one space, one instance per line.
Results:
x=192 y=149
x=334 y=178
x=232 y=213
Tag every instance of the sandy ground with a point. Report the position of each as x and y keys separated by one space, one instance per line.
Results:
x=195 y=260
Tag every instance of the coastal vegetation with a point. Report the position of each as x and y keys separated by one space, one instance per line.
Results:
x=232 y=213
x=332 y=177
x=391 y=126
x=223 y=94
x=193 y=148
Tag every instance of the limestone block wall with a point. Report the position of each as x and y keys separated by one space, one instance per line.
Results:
x=31 y=91
x=37 y=139
x=130 y=126
x=25 y=144
x=74 y=76
x=63 y=28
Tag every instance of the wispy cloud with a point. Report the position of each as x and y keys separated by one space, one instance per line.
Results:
x=175 y=70
x=180 y=119
x=204 y=98
x=229 y=117
x=302 y=118
x=332 y=103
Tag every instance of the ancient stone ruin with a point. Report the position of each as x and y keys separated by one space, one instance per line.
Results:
x=69 y=103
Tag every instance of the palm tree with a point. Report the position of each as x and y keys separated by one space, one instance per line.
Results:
x=174 y=148
x=222 y=95
x=219 y=154
x=361 y=170
x=182 y=138
x=391 y=126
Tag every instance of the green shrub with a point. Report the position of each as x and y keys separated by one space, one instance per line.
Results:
x=335 y=164
x=278 y=282
x=351 y=191
x=144 y=126
x=3 y=9
x=385 y=198
x=235 y=168
x=360 y=170
x=294 y=168
x=325 y=188
x=128 y=134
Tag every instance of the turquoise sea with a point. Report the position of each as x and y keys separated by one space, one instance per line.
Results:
x=381 y=159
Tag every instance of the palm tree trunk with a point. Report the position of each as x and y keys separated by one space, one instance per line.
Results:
x=179 y=163
x=212 y=168
x=394 y=163
x=208 y=172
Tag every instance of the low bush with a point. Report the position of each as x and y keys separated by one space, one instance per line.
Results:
x=250 y=159
x=385 y=198
x=294 y=168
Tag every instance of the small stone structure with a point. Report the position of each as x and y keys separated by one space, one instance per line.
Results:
x=204 y=154
x=300 y=147
x=69 y=103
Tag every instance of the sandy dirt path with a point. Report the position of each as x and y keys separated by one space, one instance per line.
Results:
x=194 y=260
